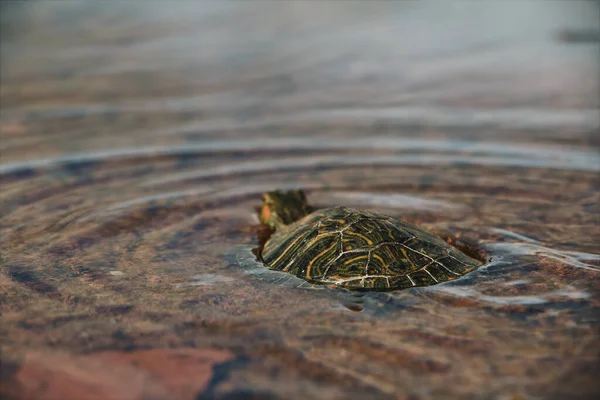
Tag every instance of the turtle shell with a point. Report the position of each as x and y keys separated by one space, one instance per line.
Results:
x=363 y=250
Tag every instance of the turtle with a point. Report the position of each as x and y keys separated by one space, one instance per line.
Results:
x=353 y=249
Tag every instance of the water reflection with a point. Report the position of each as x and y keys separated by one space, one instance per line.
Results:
x=492 y=154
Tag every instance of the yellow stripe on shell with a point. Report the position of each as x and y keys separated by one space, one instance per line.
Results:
x=317 y=257
x=408 y=259
x=290 y=246
x=354 y=259
x=363 y=237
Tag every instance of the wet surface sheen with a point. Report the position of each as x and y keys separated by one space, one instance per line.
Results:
x=133 y=158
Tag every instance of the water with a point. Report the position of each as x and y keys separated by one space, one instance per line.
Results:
x=133 y=159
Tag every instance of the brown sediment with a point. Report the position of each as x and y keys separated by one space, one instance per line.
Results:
x=145 y=374
x=391 y=356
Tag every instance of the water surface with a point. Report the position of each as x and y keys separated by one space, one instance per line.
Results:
x=136 y=141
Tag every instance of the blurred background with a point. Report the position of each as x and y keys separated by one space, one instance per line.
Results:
x=137 y=137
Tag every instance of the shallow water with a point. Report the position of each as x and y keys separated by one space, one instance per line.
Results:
x=133 y=159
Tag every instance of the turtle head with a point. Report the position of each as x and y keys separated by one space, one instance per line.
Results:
x=283 y=207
